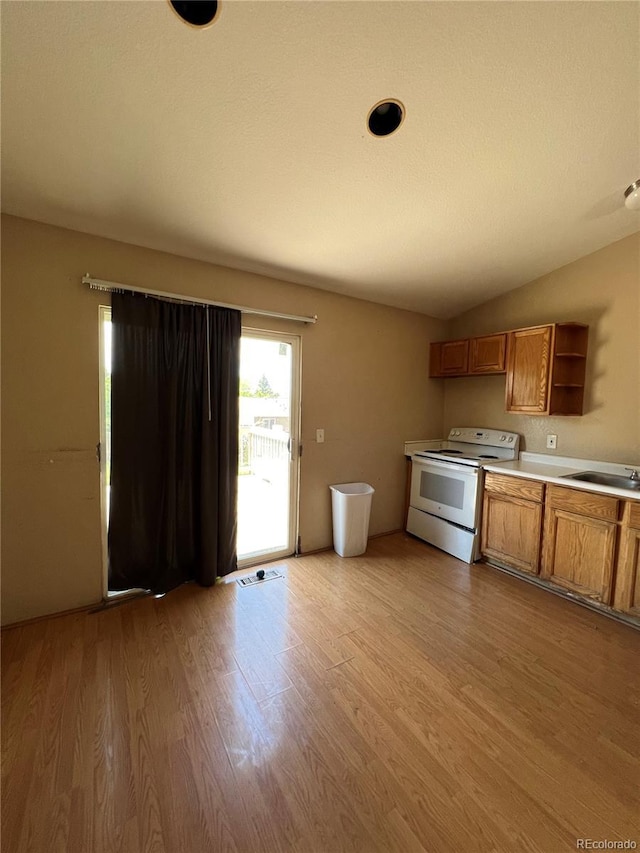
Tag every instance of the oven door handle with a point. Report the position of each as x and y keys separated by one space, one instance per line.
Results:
x=436 y=466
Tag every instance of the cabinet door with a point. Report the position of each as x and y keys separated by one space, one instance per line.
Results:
x=449 y=358
x=454 y=358
x=626 y=595
x=627 y=592
x=579 y=553
x=528 y=362
x=487 y=354
x=511 y=531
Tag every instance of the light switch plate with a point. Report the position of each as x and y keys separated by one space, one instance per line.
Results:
x=552 y=442
x=320 y=436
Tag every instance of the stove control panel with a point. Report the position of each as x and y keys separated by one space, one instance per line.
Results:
x=487 y=437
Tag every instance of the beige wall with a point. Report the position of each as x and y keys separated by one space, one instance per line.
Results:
x=364 y=382
x=601 y=289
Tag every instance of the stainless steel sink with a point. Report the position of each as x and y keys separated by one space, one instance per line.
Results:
x=601 y=479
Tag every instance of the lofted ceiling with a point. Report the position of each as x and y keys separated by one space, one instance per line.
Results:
x=246 y=143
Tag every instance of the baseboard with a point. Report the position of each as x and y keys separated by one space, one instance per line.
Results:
x=87 y=608
x=330 y=547
x=106 y=604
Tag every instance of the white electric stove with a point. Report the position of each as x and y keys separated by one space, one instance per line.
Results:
x=446 y=487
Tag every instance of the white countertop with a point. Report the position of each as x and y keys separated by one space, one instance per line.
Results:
x=550 y=469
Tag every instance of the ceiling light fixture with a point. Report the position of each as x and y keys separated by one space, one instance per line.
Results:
x=196 y=13
x=385 y=117
x=632 y=196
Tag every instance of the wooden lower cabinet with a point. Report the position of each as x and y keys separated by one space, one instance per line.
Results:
x=580 y=537
x=589 y=542
x=627 y=587
x=512 y=521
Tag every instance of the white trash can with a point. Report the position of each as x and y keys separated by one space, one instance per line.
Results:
x=351 y=508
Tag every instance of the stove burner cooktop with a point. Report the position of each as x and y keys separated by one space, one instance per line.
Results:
x=473 y=447
x=463 y=454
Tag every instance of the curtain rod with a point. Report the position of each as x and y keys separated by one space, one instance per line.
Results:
x=110 y=286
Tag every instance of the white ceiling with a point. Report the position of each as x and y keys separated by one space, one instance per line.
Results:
x=246 y=144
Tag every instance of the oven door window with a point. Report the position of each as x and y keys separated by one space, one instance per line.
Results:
x=442 y=490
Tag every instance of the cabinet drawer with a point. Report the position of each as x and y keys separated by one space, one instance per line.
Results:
x=515 y=487
x=583 y=503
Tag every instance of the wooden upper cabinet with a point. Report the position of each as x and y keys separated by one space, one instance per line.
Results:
x=487 y=354
x=434 y=359
x=545 y=365
x=546 y=368
x=568 y=369
x=528 y=364
x=449 y=358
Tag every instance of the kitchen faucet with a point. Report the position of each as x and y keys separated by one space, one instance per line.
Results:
x=634 y=473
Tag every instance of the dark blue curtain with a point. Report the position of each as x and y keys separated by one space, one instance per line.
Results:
x=174 y=443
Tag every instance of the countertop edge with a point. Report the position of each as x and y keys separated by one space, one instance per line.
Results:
x=557 y=474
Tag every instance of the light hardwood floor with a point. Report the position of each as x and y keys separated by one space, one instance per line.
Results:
x=401 y=701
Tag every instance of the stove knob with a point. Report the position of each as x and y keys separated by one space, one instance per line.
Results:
x=503 y=438
x=510 y=438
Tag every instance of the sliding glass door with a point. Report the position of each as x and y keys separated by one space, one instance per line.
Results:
x=268 y=446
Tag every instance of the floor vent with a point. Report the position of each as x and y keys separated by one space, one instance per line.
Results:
x=269 y=575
